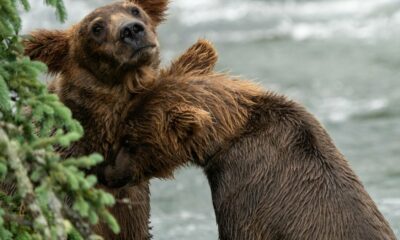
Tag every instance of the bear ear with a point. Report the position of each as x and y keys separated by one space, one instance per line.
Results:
x=186 y=121
x=49 y=47
x=199 y=59
x=156 y=9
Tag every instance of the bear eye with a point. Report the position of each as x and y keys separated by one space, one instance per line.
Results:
x=129 y=146
x=97 y=29
x=132 y=149
x=135 y=11
x=126 y=143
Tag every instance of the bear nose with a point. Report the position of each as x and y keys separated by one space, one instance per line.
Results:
x=132 y=31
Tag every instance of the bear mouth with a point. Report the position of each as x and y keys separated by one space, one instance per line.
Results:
x=141 y=49
x=119 y=183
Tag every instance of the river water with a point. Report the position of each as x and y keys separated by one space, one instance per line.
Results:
x=340 y=58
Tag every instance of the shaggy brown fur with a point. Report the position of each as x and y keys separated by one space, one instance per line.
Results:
x=197 y=60
x=100 y=63
x=155 y=8
x=273 y=170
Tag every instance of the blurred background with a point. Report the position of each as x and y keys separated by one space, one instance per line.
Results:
x=340 y=58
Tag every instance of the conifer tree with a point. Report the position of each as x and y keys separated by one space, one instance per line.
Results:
x=42 y=196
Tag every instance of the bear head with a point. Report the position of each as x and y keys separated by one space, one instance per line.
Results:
x=107 y=43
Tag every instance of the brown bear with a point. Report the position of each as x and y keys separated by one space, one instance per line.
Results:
x=100 y=63
x=273 y=170
x=99 y=71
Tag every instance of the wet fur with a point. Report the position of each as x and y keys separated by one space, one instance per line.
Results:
x=98 y=101
x=273 y=170
x=156 y=8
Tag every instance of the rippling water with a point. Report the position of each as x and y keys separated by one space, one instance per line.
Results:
x=341 y=58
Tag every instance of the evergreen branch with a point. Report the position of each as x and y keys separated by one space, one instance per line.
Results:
x=24 y=185
x=32 y=123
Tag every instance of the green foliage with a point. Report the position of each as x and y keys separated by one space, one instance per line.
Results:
x=41 y=195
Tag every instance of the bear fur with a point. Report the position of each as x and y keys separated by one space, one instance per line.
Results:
x=98 y=70
x=273 y=170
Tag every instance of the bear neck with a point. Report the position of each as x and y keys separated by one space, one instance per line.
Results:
x=98 y=106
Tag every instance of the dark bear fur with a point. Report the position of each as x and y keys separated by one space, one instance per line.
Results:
x=273 y=170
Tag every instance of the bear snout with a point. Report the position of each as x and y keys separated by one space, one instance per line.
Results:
x=132 y=31
x=134 y=35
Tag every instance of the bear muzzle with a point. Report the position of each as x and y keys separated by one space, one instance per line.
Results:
x=134 y=35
